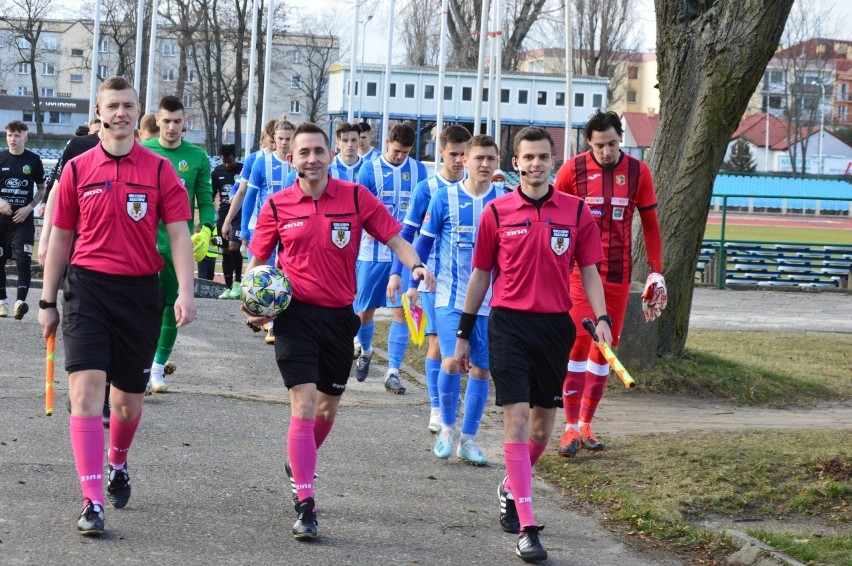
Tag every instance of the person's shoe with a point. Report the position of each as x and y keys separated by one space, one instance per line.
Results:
x=289 y=471
x=570 y=444
x=169 y=368
x=529 y=546
x=91 y=520
x=305 y=528
x=148 y=390
x=226 y=294
x=21 y=309
x=118 y=486
x=356 y=349
x=362 y=366
x=444 y=443
x=236 y=293
x=435 y=422
x=394 y=385
x=4 y=310
x=509 y=520
x=588 y=439
x=470 y=452
x=270 y=337
x=157 y=382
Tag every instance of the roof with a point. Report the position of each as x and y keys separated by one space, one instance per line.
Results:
x=753 y=129
x=642 y=127
x=817 y=48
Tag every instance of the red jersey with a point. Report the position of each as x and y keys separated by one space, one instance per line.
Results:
x=613 y=195
x=320 y=239
x=531 y=251
x=115 y=206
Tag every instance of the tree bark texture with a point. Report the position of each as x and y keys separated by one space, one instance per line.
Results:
x=711 y=56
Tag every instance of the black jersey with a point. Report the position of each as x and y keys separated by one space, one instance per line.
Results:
x=223 y=179
x=19 y=175
x=75 y=146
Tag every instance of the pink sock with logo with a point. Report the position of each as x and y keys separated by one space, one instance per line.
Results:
x=519 y=470
x=302 y=453
x=121 y=435
x=87 y=443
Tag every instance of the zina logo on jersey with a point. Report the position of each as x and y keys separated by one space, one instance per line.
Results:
x=183 y=166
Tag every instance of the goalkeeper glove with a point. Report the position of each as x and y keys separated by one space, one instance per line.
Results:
x=200 y=243
x=655 y=297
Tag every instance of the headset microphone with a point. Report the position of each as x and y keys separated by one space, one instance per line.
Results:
x=301 y=175
x=105 y=124
x=523 y=173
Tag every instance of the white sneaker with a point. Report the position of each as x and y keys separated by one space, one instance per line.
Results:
x=4 y=310
x=435 y=421
x=157 y=383
x=470 y=452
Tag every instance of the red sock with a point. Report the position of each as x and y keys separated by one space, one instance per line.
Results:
x=302 y=453
x=519 y=470
x=120 y=437
x=87 y=443
x=596 y=378
x=572 y=390
x=321 y=429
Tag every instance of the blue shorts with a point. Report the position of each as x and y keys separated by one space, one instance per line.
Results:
x=448 y=323
x=372 y=280
x=427 y=302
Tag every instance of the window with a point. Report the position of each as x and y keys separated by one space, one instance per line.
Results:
x=392 y=90
x=296 y=82
x=48 y=69
x=103 y=46
x=372 y=88
x=775 y=102
x=190 y=125
x=190 y=76
x=409 y=90
x=28 y=116
x=168 y=75
x=170 y=48
x=297 y=57
x=429 y=92
x=485 y=94
x=103 y=72
x=467 y=93
x=76 y=52
x=22 y=91
x=774 y=76
x=631 y=97
x=841 y=113
x=50 y=43
x=294 y=107
x=23 y=43
x=597 y=100
x=579 y=99
x=76 y=78
x=541 y=98
x=54 y=117
x=187 y=100
x=504 y=95
x=23 y=68
x=48 y=92
x=448 y=93
x=632 y=72
x=559 y=99
x=523 y=96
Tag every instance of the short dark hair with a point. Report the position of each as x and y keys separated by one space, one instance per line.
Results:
x=82 y=131
x=16 y=126
x=171 y=103
x=602 y=121
x=402 y=133
x=532 y=133
x=482 y=141
x=308 y=128
x=454 y=134
x=94 y=121
x=364 y=127
x=345 y=128
x=228 y=150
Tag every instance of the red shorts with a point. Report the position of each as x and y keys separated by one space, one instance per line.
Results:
x=616 y=295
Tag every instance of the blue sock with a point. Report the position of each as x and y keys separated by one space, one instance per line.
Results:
x=397 y=341
x=475 y=397
x=365 y=335
x=433 y=367
x=449 y=385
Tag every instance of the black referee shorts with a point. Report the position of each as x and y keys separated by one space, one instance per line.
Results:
x=528 y=353
x=112 y=323
x=314 y=345
x=235 y=225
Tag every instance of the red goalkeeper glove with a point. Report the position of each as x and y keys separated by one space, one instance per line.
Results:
x=655 y=297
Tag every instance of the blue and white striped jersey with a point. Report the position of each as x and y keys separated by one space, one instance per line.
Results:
x=453 y=220
x=371 y=155
x=391 y=184
x=267 y=177
x=249 y=163
x=338 y=170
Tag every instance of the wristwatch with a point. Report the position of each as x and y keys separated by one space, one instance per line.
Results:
x=418 y=265
x=42 y=304
x=605 y=318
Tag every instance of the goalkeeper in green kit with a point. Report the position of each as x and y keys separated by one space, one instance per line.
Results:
x=193 y=169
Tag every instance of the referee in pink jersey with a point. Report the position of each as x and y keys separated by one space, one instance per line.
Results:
x=529 y=240
x=113 y=196
x=318 y=221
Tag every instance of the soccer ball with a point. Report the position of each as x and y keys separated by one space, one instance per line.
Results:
x=265 y=290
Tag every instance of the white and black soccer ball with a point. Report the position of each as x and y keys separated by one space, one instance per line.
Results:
x=266 y=290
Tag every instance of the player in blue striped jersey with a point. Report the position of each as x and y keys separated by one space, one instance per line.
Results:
x=346 y=163
x=365 y=143
x=451 y=224
x=453 y=142
x=267 y=175
x=391 y=178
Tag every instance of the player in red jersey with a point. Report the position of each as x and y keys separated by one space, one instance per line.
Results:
x=614 y=186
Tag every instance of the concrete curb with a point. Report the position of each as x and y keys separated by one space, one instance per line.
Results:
x=758 y=553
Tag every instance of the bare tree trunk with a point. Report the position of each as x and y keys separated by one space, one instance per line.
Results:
x=711 y=56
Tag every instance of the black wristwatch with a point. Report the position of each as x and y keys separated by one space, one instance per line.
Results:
x=418 y=265
x=605 y=318
x=42 y=304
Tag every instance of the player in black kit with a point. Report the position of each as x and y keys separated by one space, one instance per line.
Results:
x=223 y=178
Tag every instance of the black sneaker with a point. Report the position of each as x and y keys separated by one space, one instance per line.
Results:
x=118 y=486
x=306 y=524
x=508 y=512
x=529 y=546
x=394 y=385
x=91 y=520
x=289 y=471
x=362 y=366
x=107 y=410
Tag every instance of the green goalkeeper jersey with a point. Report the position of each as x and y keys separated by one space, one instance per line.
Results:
x=193 y=168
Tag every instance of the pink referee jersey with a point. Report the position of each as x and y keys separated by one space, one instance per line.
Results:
x=320 y=239
x=115 y=207
x=531 y=251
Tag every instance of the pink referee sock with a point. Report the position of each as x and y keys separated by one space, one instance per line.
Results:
x=321 y=429
x=536 y=450
x=121 y=435
x=87 y=443
x=519 y=470
x=302 y=453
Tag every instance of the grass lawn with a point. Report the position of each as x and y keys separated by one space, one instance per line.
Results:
x=662 y=486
